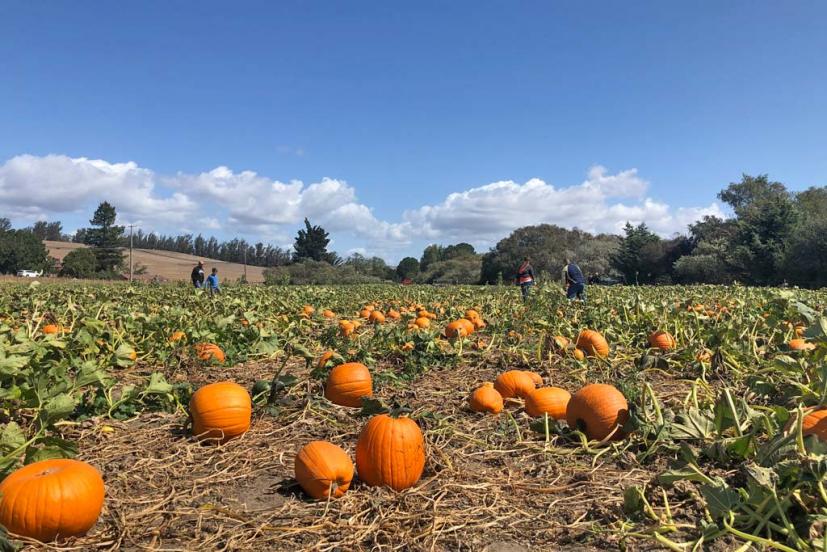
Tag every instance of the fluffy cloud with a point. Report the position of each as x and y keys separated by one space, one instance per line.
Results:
x=489 y=212
x=247 y=203
x=34 y=187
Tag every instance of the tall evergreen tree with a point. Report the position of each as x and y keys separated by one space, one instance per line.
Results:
x=311 y=243
x=632 y=259
x=106 y=238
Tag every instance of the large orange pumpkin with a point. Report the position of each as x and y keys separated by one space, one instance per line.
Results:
x=596 y=410
x=459 y=328
x=220 y=411
x=661 y=340
x=393 y=314
x=593 y=343
x=390 y=452
x=348 y=383
x=799 y=344
x=377 y=317
x=423 y=322
x=486 y=399
x=327 y=313
x=548 y=400
x=815 y=423
x=209 y=351
x=51 y=498
x=323 y=470
x=514 y=383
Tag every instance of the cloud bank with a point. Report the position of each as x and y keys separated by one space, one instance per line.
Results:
x=245 y=203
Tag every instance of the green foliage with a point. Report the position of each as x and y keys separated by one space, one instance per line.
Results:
x=633 y=258
x=548 y=246
x=105 y=238
x=766 y=218
x=407 y=268
x=311 y=244
x=21 y=250
x=80 y=263
x=459 y=270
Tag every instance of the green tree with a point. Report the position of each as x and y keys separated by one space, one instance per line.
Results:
x=105 y=237
x=80 y=263
x=432 y=254
x=5 y=224
x=633 y=258
x=311 y=243
x=22 y=250
x=407 y=267
x=458 y=250
x=766 y=218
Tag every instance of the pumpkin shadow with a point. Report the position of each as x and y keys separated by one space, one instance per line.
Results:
x=290 y=488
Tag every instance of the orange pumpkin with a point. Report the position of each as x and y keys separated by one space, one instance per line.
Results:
x=815 y=423
x=459 y=328
x=365 y=313
x=514 y=383
x=51 y=498
x=220 y=411
x=799 y=344
x=348 y=383
x=661 y=340
x=390 y=452
x=423 y=322
x=486 y=399
x=323 y=470
x=393 y=314
x=377 y=317
x=327 y=313
x=579 y=354
x=548 y=400
x=535 y=377
x=596 y=410
x=209 y=351
x=471 y=314
x=346 y=327
x=307 y=310
x=593 y=343
x=50 y=329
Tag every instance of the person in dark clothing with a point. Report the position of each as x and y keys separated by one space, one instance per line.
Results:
x=525 y=277
x=574 y=281
x=197 y=275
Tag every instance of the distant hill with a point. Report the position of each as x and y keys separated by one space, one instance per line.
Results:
x=168 y=264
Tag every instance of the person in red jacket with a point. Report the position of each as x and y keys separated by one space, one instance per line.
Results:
x=525 y=277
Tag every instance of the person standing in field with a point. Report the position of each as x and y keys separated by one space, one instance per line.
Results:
x=573 y=281
x=525 y=277
x=197 y=275
x=212 y=282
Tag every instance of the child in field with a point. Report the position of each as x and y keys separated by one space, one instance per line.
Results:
x=212 y=282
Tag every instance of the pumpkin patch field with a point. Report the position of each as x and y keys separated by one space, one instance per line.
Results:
x=155 y=417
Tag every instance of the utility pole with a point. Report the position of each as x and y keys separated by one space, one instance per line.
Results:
x=245 y=264
x=130 y=252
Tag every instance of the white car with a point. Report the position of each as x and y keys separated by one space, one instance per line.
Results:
x=29 y=273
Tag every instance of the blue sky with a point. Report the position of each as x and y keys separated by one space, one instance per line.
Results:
x=581 y=114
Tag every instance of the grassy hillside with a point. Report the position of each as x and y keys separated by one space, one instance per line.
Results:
x=167 y=264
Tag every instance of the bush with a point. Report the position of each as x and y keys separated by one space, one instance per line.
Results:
x=705 y=268
x=460 y=270
x=80 y=263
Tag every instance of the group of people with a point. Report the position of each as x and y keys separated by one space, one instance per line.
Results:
x=211 y=281
x=573 y=280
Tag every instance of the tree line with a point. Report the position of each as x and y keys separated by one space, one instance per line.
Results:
x=774 y=237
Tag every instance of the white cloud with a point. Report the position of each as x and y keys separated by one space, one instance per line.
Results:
x=250 y=204
x=485 y=214
x=34 y=187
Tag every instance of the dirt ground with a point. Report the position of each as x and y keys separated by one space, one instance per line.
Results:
x=490 y=482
